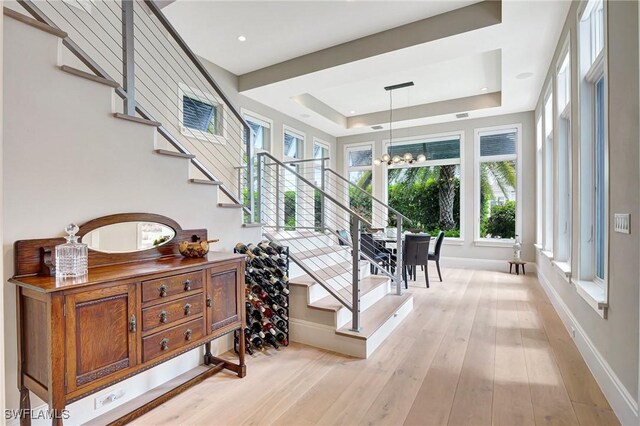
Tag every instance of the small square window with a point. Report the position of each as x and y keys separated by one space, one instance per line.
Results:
x=200 y=115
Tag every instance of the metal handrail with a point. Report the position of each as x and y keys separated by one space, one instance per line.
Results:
x=317 y=188
x=369 y=195
x=306 y=161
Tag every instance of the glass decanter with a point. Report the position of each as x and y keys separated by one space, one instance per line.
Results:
x=71 y=257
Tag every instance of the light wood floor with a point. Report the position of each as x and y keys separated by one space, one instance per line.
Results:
x=481 y=348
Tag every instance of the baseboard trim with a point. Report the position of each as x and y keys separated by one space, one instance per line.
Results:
x=621 y=401
x=498 y=265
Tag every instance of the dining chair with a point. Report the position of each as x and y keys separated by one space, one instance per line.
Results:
x=370 y=249
x=415 y=253
x=435 y=254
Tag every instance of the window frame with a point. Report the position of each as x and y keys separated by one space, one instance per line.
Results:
x=549 y=170
x=589 y=70
x=433 y=137
x=490 y=242
x=263 y=121
x=199 y=95
x=360 y=146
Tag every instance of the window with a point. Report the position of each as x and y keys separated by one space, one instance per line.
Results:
x=547 y=152
x=428 y=193
x=563 y=85
x=359 y=170
x=260 y=133
x=539 y=209
x=320 y=151
x=594 y=150
x=293 y=146
x=497 y=189
x=201 y=116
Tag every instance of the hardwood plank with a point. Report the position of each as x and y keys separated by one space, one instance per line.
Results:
x=580 y=384
x=589 y=415
x=511 y=394
x=551 y=403
x=433 y=401
x=474 y=393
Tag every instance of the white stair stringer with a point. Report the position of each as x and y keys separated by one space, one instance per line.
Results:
x=316 y=317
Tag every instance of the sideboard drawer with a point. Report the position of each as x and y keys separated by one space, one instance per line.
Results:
x=170 y=312
x=177 y=284
x=171 y=339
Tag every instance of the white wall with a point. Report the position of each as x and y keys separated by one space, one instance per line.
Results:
x=610 y=345
x=66 y=159
x=2 y=343
x=467 y=248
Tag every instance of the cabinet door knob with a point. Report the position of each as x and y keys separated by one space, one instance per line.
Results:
x=187 y=309
x=208 y=301
x=187 y=334
x=163 y=290
x=163 y=316
x=164 y=344
x=132 y=324
x=187 y=285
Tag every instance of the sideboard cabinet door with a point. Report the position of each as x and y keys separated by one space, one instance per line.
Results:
x=101 y=330
x=223 y=288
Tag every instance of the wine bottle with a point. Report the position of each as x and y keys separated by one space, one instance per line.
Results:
x=268 y=249
x=282 y=338
x=254 y=313
x=257 y=341
x=268 y=313
x=280 y=287
x=241 y=248
x=277 y=247
x=271 y=339
x=279 y=309
x=279 y=322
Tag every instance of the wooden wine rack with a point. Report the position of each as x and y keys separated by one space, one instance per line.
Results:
x=249 y=346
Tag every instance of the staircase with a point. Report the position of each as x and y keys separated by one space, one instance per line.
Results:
x=343 y=298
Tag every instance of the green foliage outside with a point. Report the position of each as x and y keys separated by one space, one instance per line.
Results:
x=502 y=222
x=290 y=210
x=359 y=201
x=419 y=200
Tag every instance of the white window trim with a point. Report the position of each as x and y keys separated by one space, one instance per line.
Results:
x=261 y=120
x=360 y=146
x=593 y=290
x=490 y=242
x=434 y=137
x=297 y=133
x=183 y=89
x=539 y=176
x=548 y=229
x=324 y=144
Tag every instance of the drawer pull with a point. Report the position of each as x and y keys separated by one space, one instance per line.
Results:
x=163 y=290
x=163 y=316
x=187 y=309
x=132 y=324
x=208 y=301
x=187 y=285
x=187 y=334
x=164 y=344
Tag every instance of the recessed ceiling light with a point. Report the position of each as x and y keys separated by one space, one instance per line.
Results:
x=524 y=75
x=353 y=112
x=484 y=89
x=242 y=38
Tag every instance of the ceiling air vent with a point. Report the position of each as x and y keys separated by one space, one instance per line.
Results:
x=462 y=115
x=378 y=127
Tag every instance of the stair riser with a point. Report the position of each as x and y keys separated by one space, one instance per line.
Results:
x=343 y=316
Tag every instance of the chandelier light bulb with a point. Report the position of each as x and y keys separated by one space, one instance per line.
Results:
x=422 y=158
x=377 y=161
x=386 y=157
x=408 y=157
x=396 y=159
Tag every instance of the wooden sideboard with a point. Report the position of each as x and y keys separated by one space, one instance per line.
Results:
x=80 y=335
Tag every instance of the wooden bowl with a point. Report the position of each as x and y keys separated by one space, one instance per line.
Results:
x=195 y=250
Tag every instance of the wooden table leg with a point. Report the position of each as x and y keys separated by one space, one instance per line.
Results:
x=510 y=268
x=523 y=272
x=517 y=269
x=25 y=407
x=241 y=352
x=207 y=353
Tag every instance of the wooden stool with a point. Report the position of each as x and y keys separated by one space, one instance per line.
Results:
x=518 y=264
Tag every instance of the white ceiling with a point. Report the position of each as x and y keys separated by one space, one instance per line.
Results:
x=453 y=67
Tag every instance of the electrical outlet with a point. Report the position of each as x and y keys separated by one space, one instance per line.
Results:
x=108 y=398
x=622 y=223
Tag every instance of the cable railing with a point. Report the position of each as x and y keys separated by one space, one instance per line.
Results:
x=132 y=43
x=296 y=199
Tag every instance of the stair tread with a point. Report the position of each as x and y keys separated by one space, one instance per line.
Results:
x=252 y=225
x=174 y=153
x=302 y=255
x=326 y=273
x=230 y=205
x=137 y=119
x=374 y=317
x=205 y=181
x=89 y=76
x=367 y=284
x=33 y=22
x=283 y=236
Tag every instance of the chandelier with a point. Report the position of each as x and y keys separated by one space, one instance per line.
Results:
x=386 y=158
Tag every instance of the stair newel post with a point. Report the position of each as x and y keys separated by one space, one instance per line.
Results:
x=399 y=256
x=355 y=280
x=128 y=62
